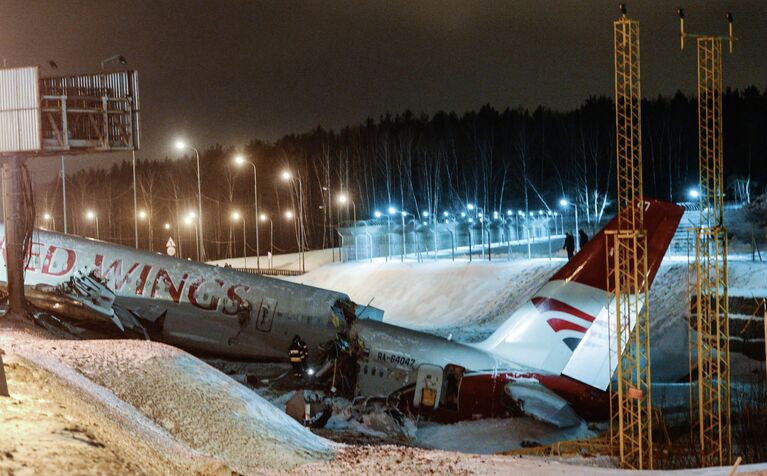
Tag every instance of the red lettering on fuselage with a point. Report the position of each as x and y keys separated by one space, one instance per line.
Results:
x=174 y=291
x=33 y=256
x=237 y=300
x=212 y=304
x=115 y=271
x=142 y=280
x=48 y=261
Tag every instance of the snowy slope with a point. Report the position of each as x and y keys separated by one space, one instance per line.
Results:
x=185 y=398
x=470 y=300
x=438 y=296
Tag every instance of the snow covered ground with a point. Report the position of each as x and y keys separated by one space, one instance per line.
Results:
x=185 y=417
x=314 y=259
x=172 y=399
x=470 y=300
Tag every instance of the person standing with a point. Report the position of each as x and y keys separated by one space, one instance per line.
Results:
x=298 y=353
x=583 y=238
x=569 y=245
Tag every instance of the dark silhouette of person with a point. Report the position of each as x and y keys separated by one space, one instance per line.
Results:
x=569 y=245
x=583 y=238
x=298 y=353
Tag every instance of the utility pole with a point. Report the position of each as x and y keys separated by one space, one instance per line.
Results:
x=13 y=198
x=135 y=204
x=64 y=192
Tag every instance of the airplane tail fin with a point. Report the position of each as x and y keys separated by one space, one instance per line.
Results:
x=563 y=328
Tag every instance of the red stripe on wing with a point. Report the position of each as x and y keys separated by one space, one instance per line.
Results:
x=550 y=304
x=563 y=325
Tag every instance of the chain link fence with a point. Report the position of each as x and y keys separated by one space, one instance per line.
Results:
x=393 y=238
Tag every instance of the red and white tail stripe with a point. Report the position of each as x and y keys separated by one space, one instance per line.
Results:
x=549 y=332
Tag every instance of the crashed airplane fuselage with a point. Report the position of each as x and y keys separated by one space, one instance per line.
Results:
x=549 y=359
x=195 y=306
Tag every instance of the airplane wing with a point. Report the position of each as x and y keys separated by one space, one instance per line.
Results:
x=537 y=401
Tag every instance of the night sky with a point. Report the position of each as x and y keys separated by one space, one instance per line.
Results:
x=226 y=72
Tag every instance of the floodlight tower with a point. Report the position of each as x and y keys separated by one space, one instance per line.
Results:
x=708 y=280
x=630 y=408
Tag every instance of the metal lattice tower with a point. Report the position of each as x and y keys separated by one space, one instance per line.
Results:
x=708 y=279
x=630 y=408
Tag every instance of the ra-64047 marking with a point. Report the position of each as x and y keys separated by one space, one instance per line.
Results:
x=396 y=359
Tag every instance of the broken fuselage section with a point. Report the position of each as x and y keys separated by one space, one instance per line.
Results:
x=97 y=288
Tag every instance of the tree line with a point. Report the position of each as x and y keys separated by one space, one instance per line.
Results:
x=515 y=159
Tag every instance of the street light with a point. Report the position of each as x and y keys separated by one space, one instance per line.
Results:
x=566 y=204
x=144 y=215
x=288 y=176
x=241 y=160
x=114 y=59
x=693 y=193
x=377 y=214
x=49 y=218
x=181 y=145
x=190 y=220
x=343 y=199
x=91 y=215
x=236 y=216
x=263 y=217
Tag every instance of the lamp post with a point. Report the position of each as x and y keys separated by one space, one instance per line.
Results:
x=241 y=160
x=235 y=217
x=565 y=203
x=181 y=145
x=343 y=199
x=263 y=217
x=144 y=215
x=190 y=220
x=91 y=215
x=290 y=216
x=64 y=192
x=49 y=218
x=135 y=199
x=288 y=177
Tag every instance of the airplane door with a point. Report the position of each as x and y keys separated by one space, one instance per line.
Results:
x=428 y=387
x=265 y=314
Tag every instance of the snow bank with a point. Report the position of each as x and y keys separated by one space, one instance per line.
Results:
x=190 y=400
x=438 y=295
x=314 y=259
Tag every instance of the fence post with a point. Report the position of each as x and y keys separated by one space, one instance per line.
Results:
x=548 y=230
x=489 y=246
x=341 y=249
x=529 y=250
x=469 y=245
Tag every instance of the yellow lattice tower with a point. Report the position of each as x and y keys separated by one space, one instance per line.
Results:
x=708 y=283
x=630 y=408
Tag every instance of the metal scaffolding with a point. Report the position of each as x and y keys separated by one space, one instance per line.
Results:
x=630 y=407
x=708 y=280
